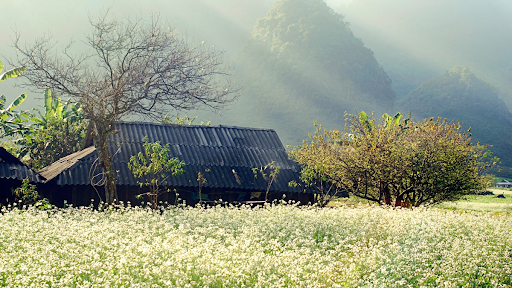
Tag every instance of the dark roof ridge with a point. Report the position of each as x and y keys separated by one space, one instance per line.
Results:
x=200 y=145
x=197 y=126
x=7 y=157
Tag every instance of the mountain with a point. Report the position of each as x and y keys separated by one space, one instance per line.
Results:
x=302 y=64
x=416 y=40
x=461 y=96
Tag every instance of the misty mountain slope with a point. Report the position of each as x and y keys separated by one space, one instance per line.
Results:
x=416 y=40
x=304 y=64
x=460 y=95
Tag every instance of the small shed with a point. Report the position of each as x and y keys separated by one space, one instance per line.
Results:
x=12 y=173
x=225 y=155
x=504 y=183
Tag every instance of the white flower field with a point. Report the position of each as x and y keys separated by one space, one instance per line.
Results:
x=274 y=246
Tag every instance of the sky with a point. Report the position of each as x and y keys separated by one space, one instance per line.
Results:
x=225 y=24
x=440 y=33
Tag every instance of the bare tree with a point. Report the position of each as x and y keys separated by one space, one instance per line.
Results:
x=131 y=68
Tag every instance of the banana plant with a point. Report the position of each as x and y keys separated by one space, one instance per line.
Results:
x=388 y=121
x=13 y=73
x=395 y=120
x=11 y=121
x=58 y=116
x=56 y=109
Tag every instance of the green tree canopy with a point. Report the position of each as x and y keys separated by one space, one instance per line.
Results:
x=396 y=162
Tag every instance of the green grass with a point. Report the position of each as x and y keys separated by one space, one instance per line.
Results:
x=484 y=203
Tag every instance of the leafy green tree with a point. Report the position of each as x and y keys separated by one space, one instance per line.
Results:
x=269 y=173
x=155 y=166
x=396 y=162
x=325 y=189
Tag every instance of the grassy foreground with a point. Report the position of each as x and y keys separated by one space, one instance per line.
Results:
x=276 y=246
x=486 y=203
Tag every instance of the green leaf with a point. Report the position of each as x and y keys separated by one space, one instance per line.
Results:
x=396 y=118
x=13 y=73
x=363 y=116
x=58 y=108
x=17 y=102
x=48 y=103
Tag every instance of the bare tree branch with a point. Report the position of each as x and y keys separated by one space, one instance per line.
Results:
x=131 y=68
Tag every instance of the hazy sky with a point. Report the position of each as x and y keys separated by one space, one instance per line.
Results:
x=223 y=23
x=440 y=33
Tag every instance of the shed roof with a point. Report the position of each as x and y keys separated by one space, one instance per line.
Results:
x=65 y=163
x=229 y=153
x=12 y=168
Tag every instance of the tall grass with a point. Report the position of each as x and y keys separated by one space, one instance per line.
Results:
x=273 y=246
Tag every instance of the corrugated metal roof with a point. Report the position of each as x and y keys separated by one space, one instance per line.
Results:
x=12 y=168
x=229 y=153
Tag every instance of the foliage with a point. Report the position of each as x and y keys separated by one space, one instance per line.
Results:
x=396 y=162
x=11 y=121
x=182 y=120
x=269 y=246
x=156 y=166
x=325 y=189
x=141 y=68
x=269 y=173
x=44 y=139
x=56 y=134
x=201 y=180
x=27 y=195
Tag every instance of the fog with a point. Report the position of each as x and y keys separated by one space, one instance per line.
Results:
x=433 y=36
x=413 y=40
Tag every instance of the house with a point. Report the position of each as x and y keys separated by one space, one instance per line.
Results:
x=12 y=173
x=504 y=184
x=225 y=155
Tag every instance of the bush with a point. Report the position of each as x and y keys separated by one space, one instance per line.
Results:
x=27 y=195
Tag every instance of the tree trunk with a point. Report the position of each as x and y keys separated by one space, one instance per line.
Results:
x=385 y=195
x=399 y=201
x=105 y=161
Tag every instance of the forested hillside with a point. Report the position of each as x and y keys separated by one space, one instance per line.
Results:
x=303 y=63
x=416 y=40
x=460 y=95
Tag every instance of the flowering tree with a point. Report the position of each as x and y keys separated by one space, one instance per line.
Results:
x=396 y=162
